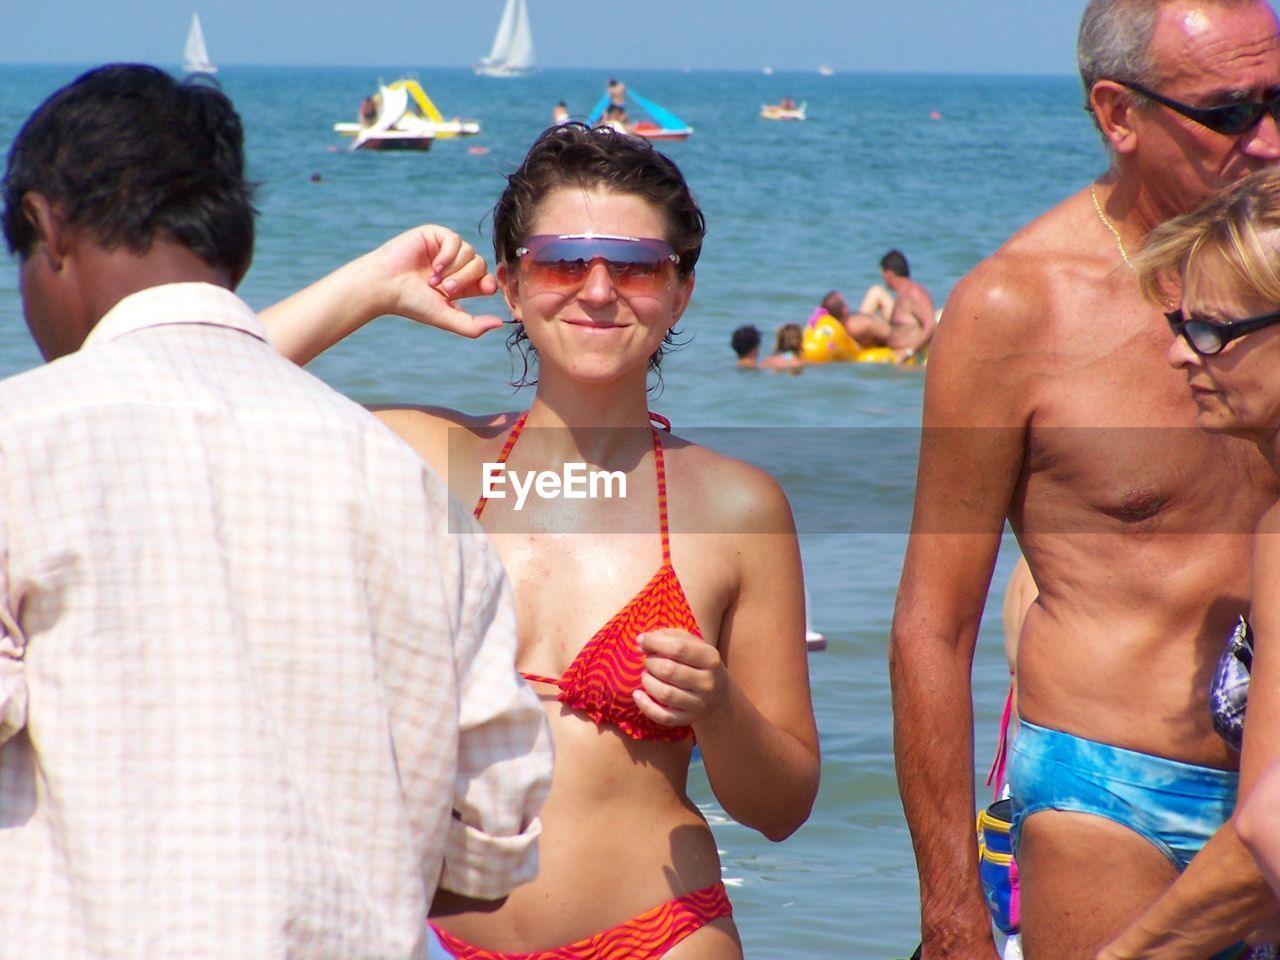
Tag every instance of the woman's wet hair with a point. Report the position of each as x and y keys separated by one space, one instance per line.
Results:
x=575 y=155
x=1238 y=227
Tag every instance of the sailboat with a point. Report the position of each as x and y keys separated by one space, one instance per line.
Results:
x=512 y=52
x=195 y=57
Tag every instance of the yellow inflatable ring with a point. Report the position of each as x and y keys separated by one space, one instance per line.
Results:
x=827 y=341
x=875 y=355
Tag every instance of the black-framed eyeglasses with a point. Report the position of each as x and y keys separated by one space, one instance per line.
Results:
x=1231 y=119
x=1208 y=338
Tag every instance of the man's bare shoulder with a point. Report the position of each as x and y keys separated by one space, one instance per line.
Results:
x=920 y=296
x=997 y=355
x=1033 y=279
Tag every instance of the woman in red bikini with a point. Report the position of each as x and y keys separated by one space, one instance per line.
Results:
x=672 y=614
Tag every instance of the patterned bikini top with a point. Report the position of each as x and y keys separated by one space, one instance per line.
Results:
x=607 y=670
x=1229 y=690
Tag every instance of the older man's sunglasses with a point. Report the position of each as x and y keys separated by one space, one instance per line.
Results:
x=1230 y=119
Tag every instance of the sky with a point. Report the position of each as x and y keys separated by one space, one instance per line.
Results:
x=932 y=36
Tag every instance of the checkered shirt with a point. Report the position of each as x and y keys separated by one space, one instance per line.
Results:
x=257 y=684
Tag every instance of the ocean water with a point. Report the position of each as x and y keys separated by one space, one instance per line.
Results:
x=794 y=209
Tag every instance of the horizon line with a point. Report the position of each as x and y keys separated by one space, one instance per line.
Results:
x=89 y=64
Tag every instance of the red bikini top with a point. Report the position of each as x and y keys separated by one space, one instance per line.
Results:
x=607 y=670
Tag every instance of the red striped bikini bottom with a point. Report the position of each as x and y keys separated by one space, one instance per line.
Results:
x=643 y=937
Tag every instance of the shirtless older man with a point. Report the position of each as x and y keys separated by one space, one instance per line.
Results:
x=1048 y=402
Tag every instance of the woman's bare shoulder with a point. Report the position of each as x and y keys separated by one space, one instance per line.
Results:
x=434 y=431
x=726 y=494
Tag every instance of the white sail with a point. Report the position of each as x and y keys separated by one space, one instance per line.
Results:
x=195 y=57
x=502 y=39
x=520 y=51
x=512 y=52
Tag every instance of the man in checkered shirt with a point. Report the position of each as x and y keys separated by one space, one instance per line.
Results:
x=257 y=685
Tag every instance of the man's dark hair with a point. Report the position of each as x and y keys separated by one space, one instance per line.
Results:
x=130 y=155
x=895 y=262
x=745 y=339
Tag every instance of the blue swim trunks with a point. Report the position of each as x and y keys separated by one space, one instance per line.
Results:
x=1176 y=806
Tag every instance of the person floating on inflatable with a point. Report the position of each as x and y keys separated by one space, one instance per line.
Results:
x=827 y=341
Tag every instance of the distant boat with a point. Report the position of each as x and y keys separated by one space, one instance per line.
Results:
x=512 y=52
x=662 y=124
x=382 y=125
x=767 y=71
x=783 y=111
x=195 y=56
x=402 y=117
x=825 y=70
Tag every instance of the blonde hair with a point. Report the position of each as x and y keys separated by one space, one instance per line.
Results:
x=1240 y=224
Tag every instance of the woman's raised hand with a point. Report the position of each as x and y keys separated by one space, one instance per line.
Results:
x=428 y=269
x=421 y=274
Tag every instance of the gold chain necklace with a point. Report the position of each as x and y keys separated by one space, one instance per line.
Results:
x=1110 y=226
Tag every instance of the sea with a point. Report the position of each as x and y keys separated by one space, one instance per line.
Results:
x=943 y=167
